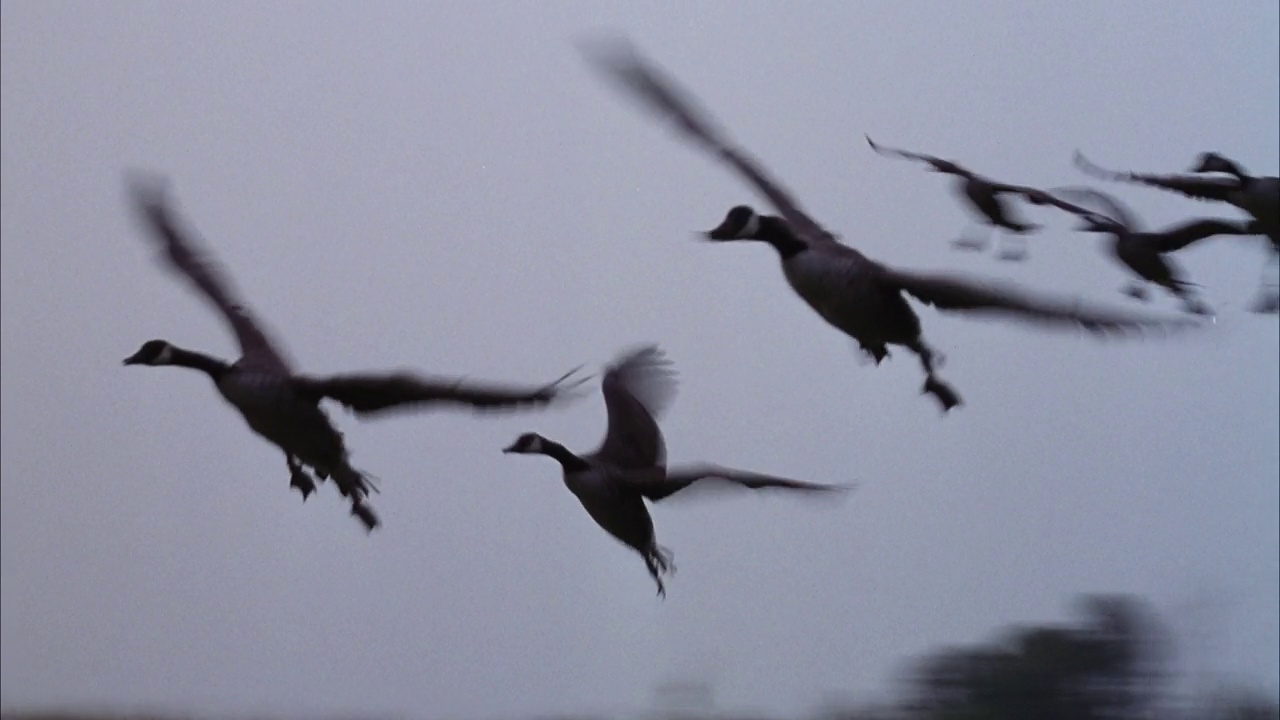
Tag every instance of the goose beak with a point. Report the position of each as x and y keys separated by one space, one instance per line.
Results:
x=509 y=450
x=723 y=232
x=134 y=359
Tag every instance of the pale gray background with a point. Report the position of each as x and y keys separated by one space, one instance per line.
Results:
x=447 y=186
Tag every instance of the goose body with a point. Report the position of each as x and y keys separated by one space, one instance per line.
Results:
x=844 y=288
x=1146 y=253
x=863 y=298
x=1259 y=196
x=990 y=198
x=278 y=404
x=630 y=466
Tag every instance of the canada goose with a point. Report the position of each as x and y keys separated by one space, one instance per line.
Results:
x=630 y=465
x=1143 y=252
x=985 y=196
x=1259 y=196
x=863 y=298
x=278 y=404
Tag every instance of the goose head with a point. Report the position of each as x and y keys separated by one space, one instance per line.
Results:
x=528 y=444
x=1213 y=162
x=741 y=223
x=152 y=352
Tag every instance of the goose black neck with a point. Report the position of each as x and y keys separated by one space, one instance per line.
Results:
x=1231 y=167
x=776 y=232
x=209 y=365
x=564 y=456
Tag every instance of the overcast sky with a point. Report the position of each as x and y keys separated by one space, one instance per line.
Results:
x=447 y=186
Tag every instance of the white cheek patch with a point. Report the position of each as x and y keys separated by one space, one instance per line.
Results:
x=752 y=226
x=535 y=446
x=165 y=357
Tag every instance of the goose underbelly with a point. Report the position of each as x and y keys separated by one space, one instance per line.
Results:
x=296 y=425
x=622 y=515
x=848 y=298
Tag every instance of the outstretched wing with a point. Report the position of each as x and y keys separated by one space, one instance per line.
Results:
x=1036 y=196
x=1193 y=186
x=707 y=477
x=369 y=394
x=1107 y=209
x=953 y=293
x=637 y=388
x=620 y=60
x=1180 y=236
x=933 y=160
x=185 y=255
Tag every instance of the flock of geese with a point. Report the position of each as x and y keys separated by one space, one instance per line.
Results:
x=865 y=299
x=1143 y=253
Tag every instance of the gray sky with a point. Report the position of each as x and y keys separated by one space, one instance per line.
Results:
x=447 y=186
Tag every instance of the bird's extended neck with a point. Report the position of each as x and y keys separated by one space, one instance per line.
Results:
x=564 y=456
x=209 y=365
x=776 y=232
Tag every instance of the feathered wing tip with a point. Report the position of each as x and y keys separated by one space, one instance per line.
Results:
x=621 y=62
x=607 y=47
x=146 y=187
x=148 y=192
x=647 y=374
x=1089 y=167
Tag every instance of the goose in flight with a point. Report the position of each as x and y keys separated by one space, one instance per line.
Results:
x=865 y=299
x=984 y=195
x=630 y=466
x=1259 y=196
x=1145 y=252
x=278 y=404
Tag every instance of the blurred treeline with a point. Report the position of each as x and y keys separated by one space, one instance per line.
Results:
x=1116 y=661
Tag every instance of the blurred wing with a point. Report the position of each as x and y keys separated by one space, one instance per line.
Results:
x=372 y=394
x=895 y=152
x=185 y=255
x=637 y=388
x=705 y=478
x=1111 y=207
x=952 y=293
x=1193 y=186
x=619 y=59
x=1181 y=236
x=1036 y=196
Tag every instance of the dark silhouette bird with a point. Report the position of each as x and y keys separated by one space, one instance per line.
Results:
x=1146 y=253
x=1259 y=196
x=984 y=195
x=863 y=298
x=284 y=407
x=630 y=466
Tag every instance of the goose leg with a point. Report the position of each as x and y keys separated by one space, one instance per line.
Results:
x=1267 y=303
x=1137 y=291
x=365 y=514
x=1191 y=303
x=658 y=560
x=945 y=394
x=298 y=478
x=876 y=353
x=972 y=242
x=1013 y=247
x=1268 y=300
